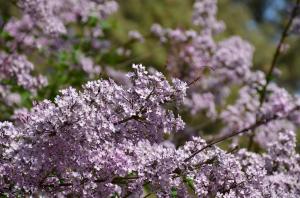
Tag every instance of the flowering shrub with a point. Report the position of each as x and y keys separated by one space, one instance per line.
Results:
x=134 y=134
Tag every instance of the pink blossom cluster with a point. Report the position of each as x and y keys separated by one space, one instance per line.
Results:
x=108 y=140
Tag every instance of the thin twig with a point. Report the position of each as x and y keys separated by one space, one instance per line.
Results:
x=221 y=139
x=199 y=77
x=284 y=35
x=195 y=80
x=278 y=50
x=148 y=195
x=140 y=111
x=245 y=130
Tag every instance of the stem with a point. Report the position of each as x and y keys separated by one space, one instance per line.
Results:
x=245 y=130
x=197 y=78
x=284 y=35
x=221 y=139
x=148 y=195
x=277 y=52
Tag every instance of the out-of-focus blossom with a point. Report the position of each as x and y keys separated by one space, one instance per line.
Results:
x=136 y=36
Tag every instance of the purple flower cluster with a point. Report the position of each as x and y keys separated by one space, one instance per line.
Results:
x=51 y=16
x=281 y=107
x=14 y=66
x=109 y=140
x=204 y=15
x=44 y=21
x=81 y=136
x=230 y=61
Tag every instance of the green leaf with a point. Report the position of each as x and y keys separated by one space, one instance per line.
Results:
x=92 y=21
x=190 y=183
x=105 y=25
x=5 y=35
x=174 y=192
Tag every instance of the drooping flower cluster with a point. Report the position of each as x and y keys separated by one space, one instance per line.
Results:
x=18 y=67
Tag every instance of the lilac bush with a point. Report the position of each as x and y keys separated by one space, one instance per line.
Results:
x=132 y=134
x=108 y=140
x=47 y=27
